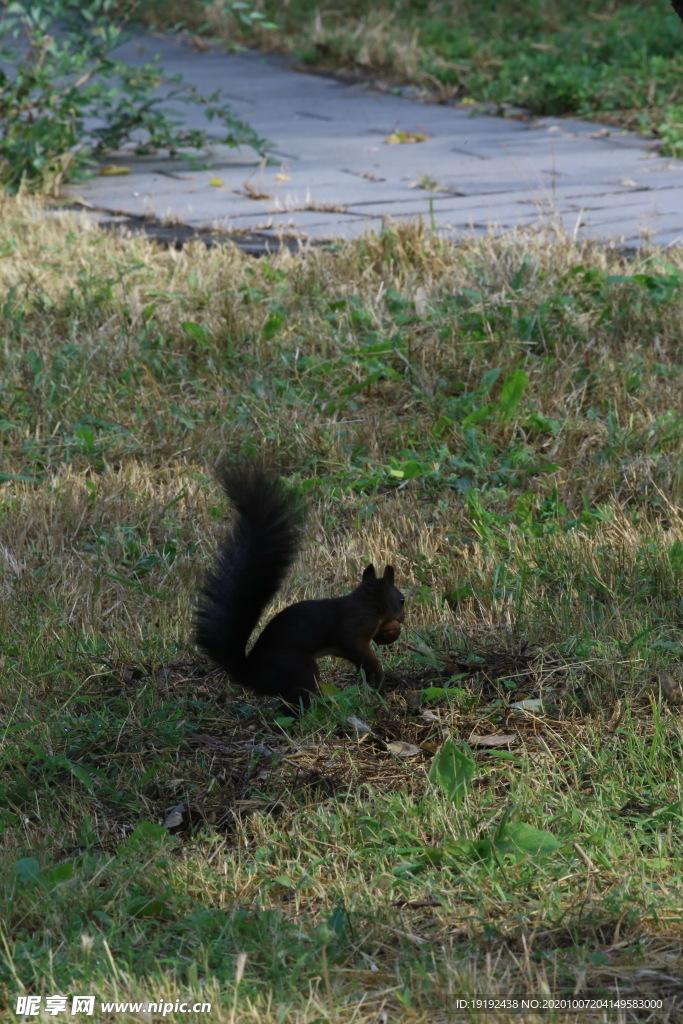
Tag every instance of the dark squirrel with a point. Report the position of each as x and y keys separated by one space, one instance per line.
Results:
x=250 y=568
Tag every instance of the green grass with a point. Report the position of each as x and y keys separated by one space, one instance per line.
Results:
x=503 y=422
x=620 y=63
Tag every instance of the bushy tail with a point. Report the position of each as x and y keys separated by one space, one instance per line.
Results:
x=251 y=564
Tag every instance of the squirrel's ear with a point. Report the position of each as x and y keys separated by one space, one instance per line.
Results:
x=369 y=573
x=389 y=575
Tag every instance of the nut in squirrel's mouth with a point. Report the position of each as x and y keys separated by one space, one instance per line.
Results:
x=388 y=633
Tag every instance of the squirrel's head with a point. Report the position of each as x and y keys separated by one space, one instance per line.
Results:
x=393 y=599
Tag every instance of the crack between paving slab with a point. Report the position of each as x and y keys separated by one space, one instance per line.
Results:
x=316 y=117
x=252 y=241
x=524 y=199
x=468 y=152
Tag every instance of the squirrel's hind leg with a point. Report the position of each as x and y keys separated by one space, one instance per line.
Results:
x=293 y=677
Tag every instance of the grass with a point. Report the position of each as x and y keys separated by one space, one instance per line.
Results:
x=503 y=422
x=620 y=63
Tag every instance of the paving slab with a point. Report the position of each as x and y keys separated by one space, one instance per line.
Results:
x=332 y=173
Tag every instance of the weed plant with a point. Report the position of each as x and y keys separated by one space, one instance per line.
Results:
x=66 y=99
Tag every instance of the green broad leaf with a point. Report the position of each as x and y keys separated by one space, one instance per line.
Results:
x=511 y=395
x=522 y=840
x=83 y=776
x=60 y=873
x=408 y=470
x=146 y=906
x=452 y=770
x=659 y=863
x=489 y=379
x=463 y=851
x=480 y=414
x=6 y=478
x=10 y=729
x=442 y=425
x=145 y=835
x=338 y=920
x=195 y=331
x=86 y=437
x=27 y=869
x=434 y=693
x=537 y=423
x=667 y=645
x=272 y=325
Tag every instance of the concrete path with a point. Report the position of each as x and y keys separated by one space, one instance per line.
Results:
x=333 y=174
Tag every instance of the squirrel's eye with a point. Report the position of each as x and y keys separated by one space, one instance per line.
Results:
x=403 y=600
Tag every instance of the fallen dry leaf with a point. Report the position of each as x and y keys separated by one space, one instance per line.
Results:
x=131 y=673
x=400 y=138
x=176 y=816
x=413 y=699
x=499 y=739
x=402 y=749
x=529 y=704
x=431 y=747
x=669 y=687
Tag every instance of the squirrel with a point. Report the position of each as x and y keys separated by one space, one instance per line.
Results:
x=250 y=567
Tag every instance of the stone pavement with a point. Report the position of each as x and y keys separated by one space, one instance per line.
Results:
x=332 y=173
